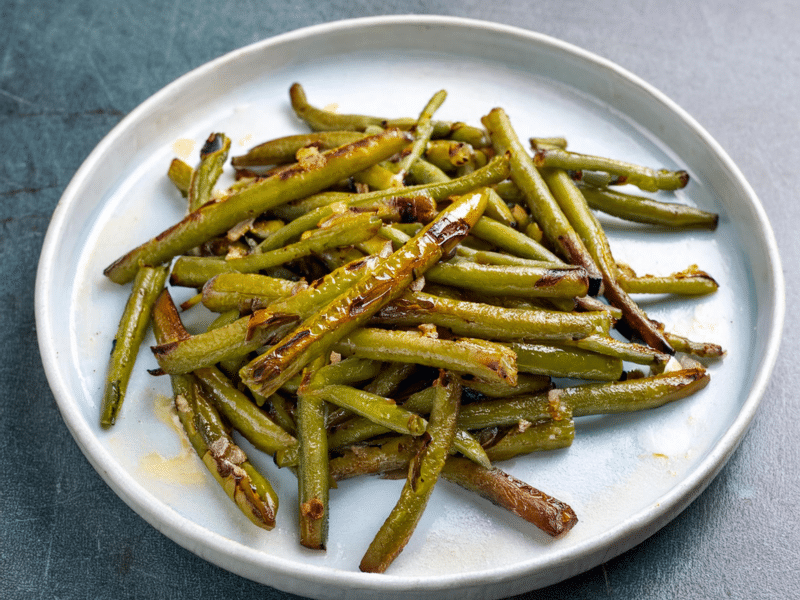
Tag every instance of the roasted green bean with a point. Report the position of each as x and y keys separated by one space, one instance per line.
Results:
x=131 y=331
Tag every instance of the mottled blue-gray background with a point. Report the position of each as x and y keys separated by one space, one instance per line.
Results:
x=70 y=70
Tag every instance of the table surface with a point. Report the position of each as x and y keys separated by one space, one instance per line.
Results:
x=70 y=71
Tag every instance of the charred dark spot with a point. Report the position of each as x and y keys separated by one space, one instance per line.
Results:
x=416 y=209
x=156 y=372
x=363 y=302
x=314 y=509
x=448 y=233
x=289 y=172
x=297 y=337
x=683 y=177
x=163 y=349
x=213 y=144
x=355 y=266
x=352 y=146
x=550 y=278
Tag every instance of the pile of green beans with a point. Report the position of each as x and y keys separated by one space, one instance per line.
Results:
x=405 y=297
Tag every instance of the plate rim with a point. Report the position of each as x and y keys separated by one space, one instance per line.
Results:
x=199 y=540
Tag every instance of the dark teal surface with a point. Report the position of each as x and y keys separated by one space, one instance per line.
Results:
x=69 y=71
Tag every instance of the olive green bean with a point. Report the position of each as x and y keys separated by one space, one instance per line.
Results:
x=543 y=207
x=323 y=120
x=422 y=133
x=246 y=292
x=423 y=473
x=574 y=205
x=644 y=178
x=496 y=170
x=344 y=230
x=131 y=331
x=551 y=281
x=484 y=359
x=647 y=210
x=213 y=155
x=549 y=514
x=511 y=411
x=633 y=394
x=317 y=334
x=313 y=474
x=284 y=149
x=689 y=282
x=180 y=173
x=536 y=437
x=292 y=182
x=526 y=384
x=247 y=418
x=475 y=319
x=512 y=241
x=371 y=406
x=574 y=363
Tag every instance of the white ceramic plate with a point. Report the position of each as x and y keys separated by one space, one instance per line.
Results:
x=625 y=476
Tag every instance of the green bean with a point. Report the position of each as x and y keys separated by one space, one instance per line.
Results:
x=499 y=211
x=180 y=174
x=552 y=516
x=605 y=344
x=488 y=257
x=699 y=349
x=378 y=177
x=345 y=230
x=252 y=494
x=317 y=334
x=511 y=240
x=393 y=454
x=223 y=343
x=448 y=155
x=246 y=292
x=644 y=178
x=294 y=181
x=646 y=210
x=131 y=331
x=390 y=377
x=423 y=473
x=537 y=437
x=511 y=411
x=399 y=207
x=208 y=435
x=248 y=334
x=495 y=171
x=323 y=120
x=526 y=384
x=483 y=359
x=577 y=210
x=399 y=237
x=562 y=362
x=247 y=418
x=346 y=372
x=284 y=150
x=424 y=172
x=422 y=133
x=542 y=205
x=475 y=319
x=213 y=155
x=360 y=429
x=632 y=394
x=689 y=282
x=528 y=282
x=538 y=143
x=312 y=471
x=248 y=489
x=371 y=406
